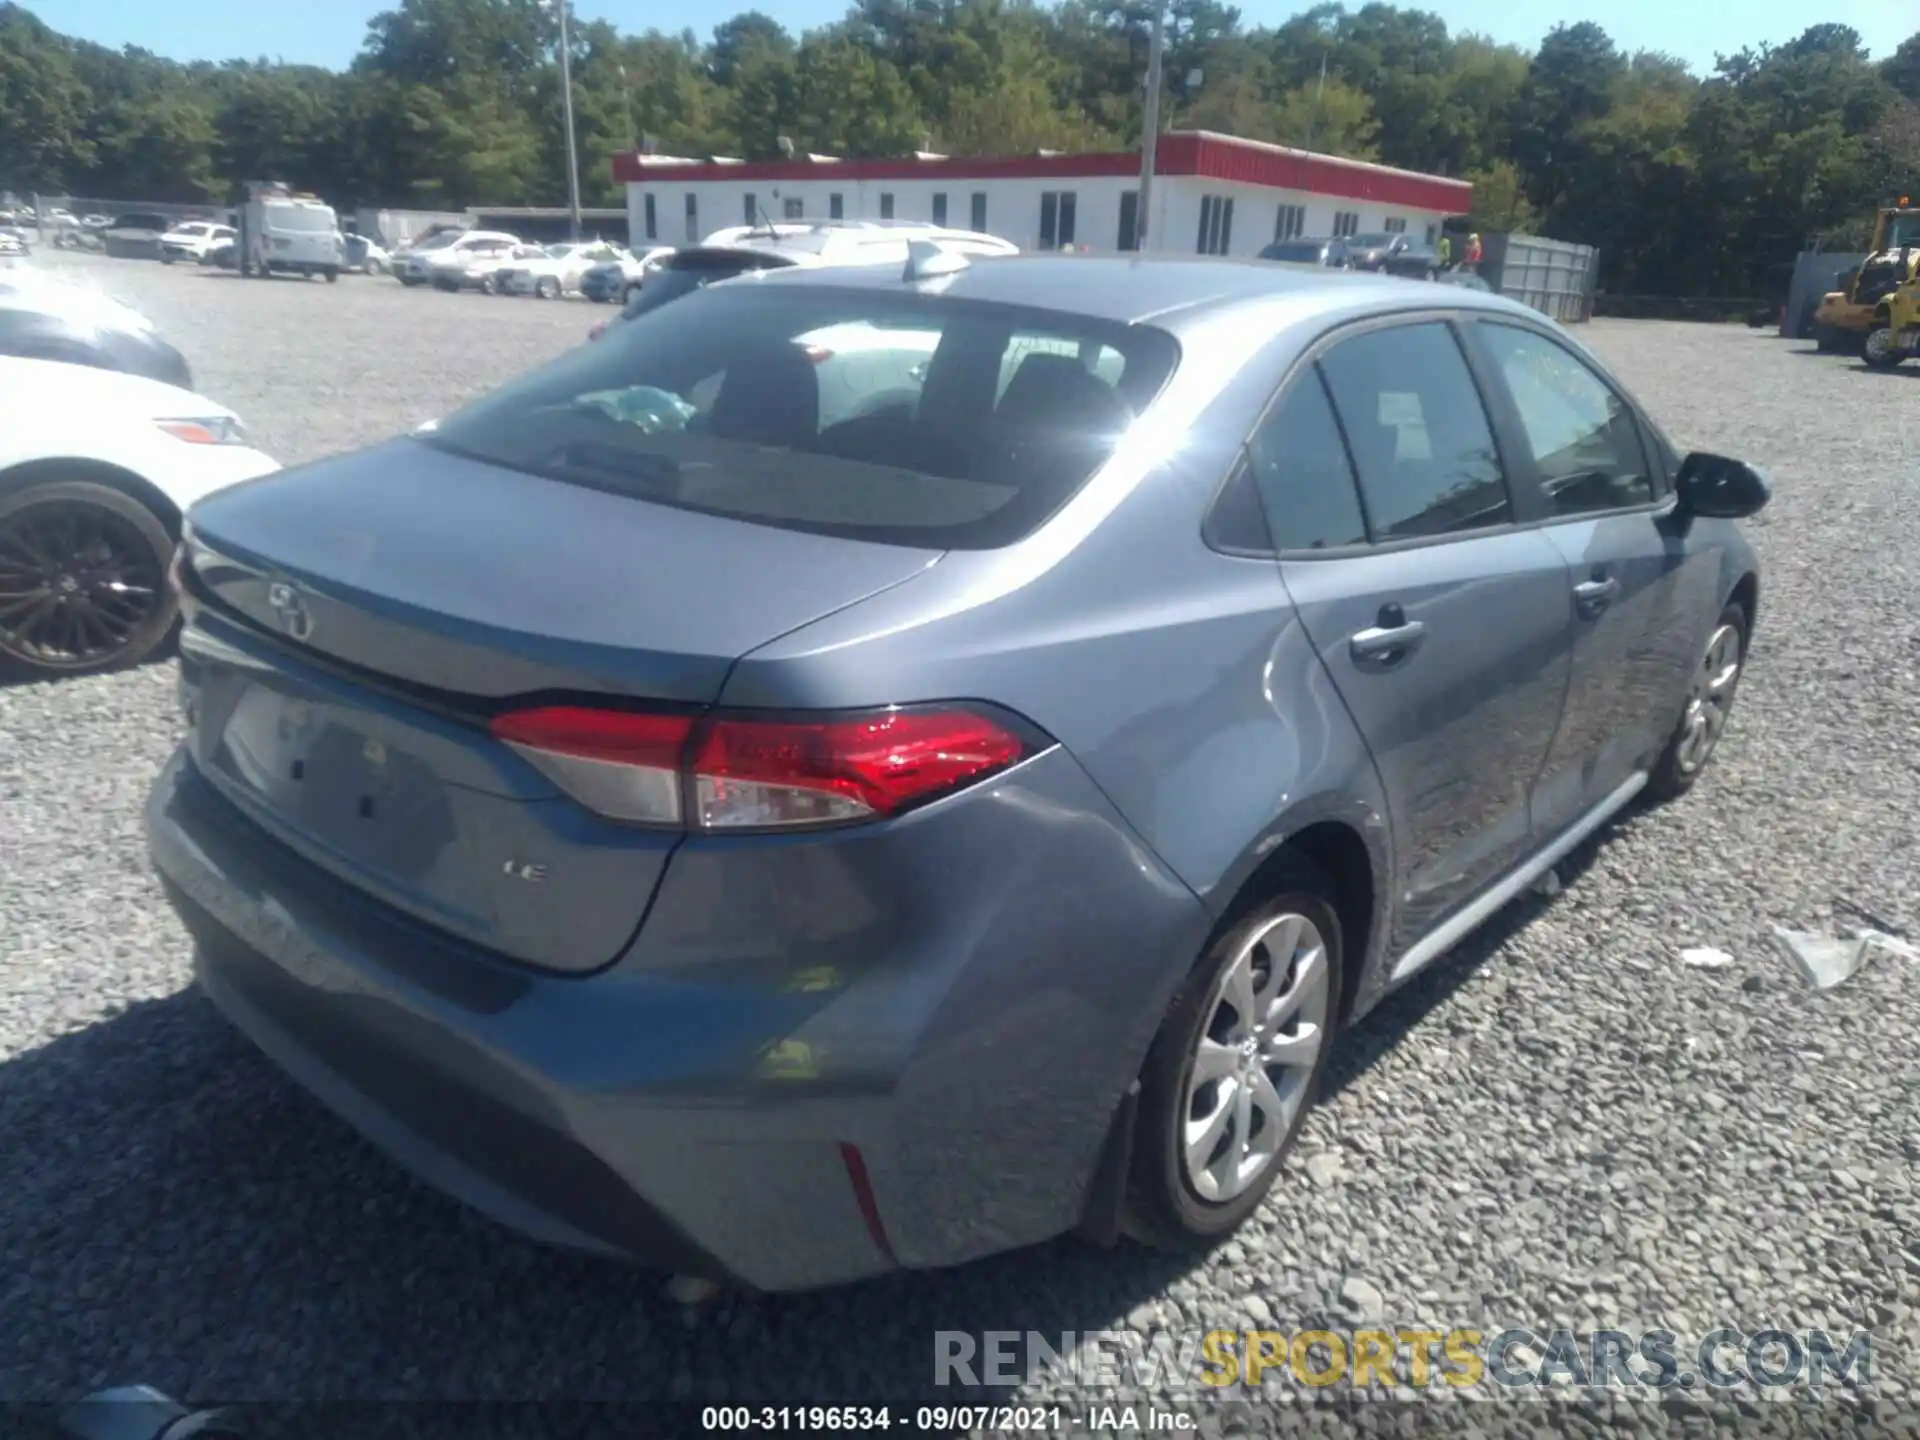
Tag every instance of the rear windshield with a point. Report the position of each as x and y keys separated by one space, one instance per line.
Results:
x=302 y=218
x=900 y=418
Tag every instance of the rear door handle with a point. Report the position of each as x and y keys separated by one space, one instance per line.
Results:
x=1388 y=644
x=1593 y=596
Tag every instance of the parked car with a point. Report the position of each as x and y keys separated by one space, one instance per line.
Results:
x=1393 y=254
x=192 y=240
x=43 y=318
x=622 y=279
x=1325 y=252
x=14 y=244
x=558 y=269
x=132 y=236
x=421 y=263
x=485 y=268
x=785 y=853
x=728 y=253
x=366 y=255
x=96 y=469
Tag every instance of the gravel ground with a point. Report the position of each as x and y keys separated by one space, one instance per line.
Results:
x=1562 y=1125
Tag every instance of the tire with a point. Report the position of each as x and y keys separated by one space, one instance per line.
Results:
x=123 y=546
x=1826 y=339
x=1881 y=349
x=548 y=288
x=376 y=267
x=166 y=258
x=1166 y=1206
x=1710 y=695
x=333 y=274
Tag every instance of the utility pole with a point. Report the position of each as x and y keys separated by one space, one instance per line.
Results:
x=1150 y=125
x=566 y=104
x=1319 y=96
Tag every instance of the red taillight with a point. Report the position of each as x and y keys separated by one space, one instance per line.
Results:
x=744 y=773
x=818 y=354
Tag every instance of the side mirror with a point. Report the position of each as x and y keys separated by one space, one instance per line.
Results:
x=1718 y=488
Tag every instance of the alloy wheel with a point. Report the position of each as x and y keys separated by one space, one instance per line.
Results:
x=78 y=584
x=1711 y=700
x=1253 y=1063
x=1879 y=345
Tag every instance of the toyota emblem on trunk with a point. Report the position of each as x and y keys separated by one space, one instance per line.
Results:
x=289 y=610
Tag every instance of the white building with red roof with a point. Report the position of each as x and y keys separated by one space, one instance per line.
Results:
x=1212 y=195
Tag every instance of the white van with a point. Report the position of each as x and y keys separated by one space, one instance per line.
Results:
x=289 y=234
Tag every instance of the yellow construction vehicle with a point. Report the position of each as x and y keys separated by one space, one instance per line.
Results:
x=1895 y=332
x=1845 y=316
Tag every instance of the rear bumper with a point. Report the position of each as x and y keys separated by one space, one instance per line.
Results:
x=961 y=1001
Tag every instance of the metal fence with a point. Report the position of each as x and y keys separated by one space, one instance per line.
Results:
x=1555 y=277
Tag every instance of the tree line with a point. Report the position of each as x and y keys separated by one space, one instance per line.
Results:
x=1690 y=184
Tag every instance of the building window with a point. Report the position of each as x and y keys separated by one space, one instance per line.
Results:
x=980 y=210
x=693 y=217
x=1057 y=210
x=886 y=205
x=653 y=220
x=1345 y=222
x=940 y=207
x=749 y=209
x=1395 y=225
x=1433 y=233
x=836 y=208
x=1289 y=221
x=1129 y=220
x=793 y=207
x=1216 y=224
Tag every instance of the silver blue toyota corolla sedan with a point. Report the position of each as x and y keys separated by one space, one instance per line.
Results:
x=865 y=769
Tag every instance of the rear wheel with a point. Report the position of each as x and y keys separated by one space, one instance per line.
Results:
x=1709 y=705
x=83 y=578
x=548 y=288
x=487 y=285
x=1236 y=1065
x=333 y=274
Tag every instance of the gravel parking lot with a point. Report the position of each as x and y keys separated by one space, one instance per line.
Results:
x=1561 y=1125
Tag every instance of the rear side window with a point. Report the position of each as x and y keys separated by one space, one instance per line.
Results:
x=1418 y=432
x=1300 y=464
x=900 y=418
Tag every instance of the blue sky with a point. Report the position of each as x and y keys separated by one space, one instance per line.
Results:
x=328 y=32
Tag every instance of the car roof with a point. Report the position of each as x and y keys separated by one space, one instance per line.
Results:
x=1170 y=291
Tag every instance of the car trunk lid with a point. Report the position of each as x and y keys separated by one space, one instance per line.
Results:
x=357 y=623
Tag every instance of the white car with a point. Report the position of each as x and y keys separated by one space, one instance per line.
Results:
x=450 y=251
x=559 y=269
x=192 y=240
x=96 y=470
x=485 y=268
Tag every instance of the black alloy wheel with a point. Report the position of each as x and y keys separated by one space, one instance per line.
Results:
x=83 y=578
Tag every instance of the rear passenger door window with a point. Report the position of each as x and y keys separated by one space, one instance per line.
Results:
x=1417 y=431
x=1300 y=466
x=1583 y=440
